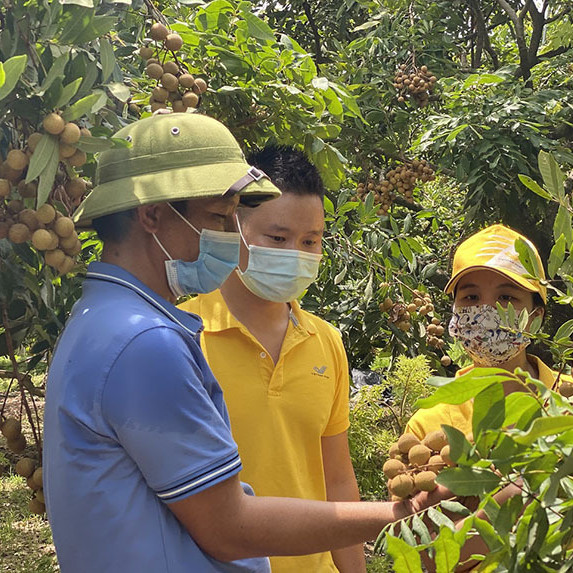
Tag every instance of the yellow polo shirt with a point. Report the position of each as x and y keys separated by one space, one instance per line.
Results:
x=279 y=412
x=459 y=416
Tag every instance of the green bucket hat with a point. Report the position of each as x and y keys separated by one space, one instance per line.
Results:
x=172 y=157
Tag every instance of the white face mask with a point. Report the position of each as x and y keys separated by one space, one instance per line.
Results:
x=479 y=329
x=278 y=275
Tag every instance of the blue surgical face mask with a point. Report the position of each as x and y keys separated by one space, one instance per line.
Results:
x=278 y=275
x=218 y=256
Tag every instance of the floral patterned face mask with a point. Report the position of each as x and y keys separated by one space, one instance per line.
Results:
x=479 y=329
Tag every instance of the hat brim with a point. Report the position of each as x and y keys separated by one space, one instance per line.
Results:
x=514 y=277
x=194 y=182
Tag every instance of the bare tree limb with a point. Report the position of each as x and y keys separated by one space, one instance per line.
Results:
x=315 y=33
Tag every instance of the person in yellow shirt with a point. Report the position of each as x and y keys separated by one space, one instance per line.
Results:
x=487 y=270
x=283 y=371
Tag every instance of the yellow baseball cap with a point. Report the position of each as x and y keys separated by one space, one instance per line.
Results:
x=493 y=248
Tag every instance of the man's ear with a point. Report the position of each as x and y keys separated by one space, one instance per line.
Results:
x=149 y=216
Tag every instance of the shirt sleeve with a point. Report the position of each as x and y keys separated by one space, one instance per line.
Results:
x=168 y=417
x=339 y=416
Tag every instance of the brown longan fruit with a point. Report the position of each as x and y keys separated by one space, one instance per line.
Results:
x=33 y=140
x=27 y=190
x=407 y=441
x=186 y=80
x=435 y=463
x=190 y=99
x=5 y=187
x=4 y=229
x=155 y=105
x=69 y=241
x=392 y=468
x=66 y=150
x=179 y=106
x=173 y=42
x=393 y=451
x=67 y=265
x=85 y=132
x=78 y=158
x=425 y=481
x=19 y=233
x=55 y=258
x=401 y=485
x=566 y=389
x=37 y=478
x=200 y=86
x=29 y=218
x=36 y=506
x=146 y=52
x=11 y=428
x=42 y=240
x=54 y=123
x=169 y=82
x=46 y=213
x=435 y=440
x=64 y=227
x=170 y=67
x=158 y=32
x=15 y=206
x=17 y=445
x=74 y=249
x=25 y=467
x=17 y=159
x=71 y=133
x=445 y=455
x=75 y=188
x=418 y=455
x=159 y=94
x=40 y=495
x=154 y=71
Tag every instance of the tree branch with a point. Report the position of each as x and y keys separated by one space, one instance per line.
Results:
x=317 y=45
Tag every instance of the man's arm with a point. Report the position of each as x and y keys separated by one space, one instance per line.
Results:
x=228 y=524
x=341 y=486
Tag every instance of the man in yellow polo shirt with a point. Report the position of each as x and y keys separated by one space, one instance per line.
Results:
x=283 y=371
x=487 y=270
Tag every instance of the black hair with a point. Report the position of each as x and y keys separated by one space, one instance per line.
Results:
x=115 y=228
x=289 y=169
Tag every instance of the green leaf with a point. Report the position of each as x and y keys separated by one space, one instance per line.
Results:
x=13 y=69
x=48 y=174
x=466 y=480
x=527 y=257
x=82 y=106
x=545 y=426
x=455 y=507
x=79 y=20
x=553 y=177
x=488 y=534
x=489 y=409
x=556 y=257
x=406 y=534
x=68 y=93
x=56 y=71
x=535 y=187
x=454 y=133
x=439 y=518
x=94 y=144
x=119 y=91
x=107 y=59
x=565 y=330
x=2 y=74
x=406 y=558
x=47 y=145
x=84 y=3
x=420 y=529
x=562 y=225
x=257 y=28
x=447 y=551
x=465 y=387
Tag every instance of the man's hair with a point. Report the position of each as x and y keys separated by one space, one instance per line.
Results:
x=289 y=169
x=115 y=228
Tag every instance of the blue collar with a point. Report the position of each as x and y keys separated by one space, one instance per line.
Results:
x=114 y=274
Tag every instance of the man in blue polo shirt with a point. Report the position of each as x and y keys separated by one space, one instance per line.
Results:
x=140 y=468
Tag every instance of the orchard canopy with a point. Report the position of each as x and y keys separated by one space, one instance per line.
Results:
x=427 y=120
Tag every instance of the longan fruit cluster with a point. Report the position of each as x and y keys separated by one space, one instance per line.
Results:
x=49 y=231
x=11 y=429
x=404 y=178
x=29 y=469
x=383 y=196
x=176 y=87
x=414 y=465
x=415 y=83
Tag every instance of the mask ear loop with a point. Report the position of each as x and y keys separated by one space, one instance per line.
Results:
x=169 y=257
x=184 y=219
x=241 y=231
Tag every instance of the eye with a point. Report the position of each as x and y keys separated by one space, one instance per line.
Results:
x=276 y=238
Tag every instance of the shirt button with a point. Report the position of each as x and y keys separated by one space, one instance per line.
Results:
x=263 y=355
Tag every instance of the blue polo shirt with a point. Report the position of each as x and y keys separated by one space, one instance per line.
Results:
x=134 y=420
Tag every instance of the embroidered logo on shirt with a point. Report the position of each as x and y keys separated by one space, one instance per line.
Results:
x=316 y=371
